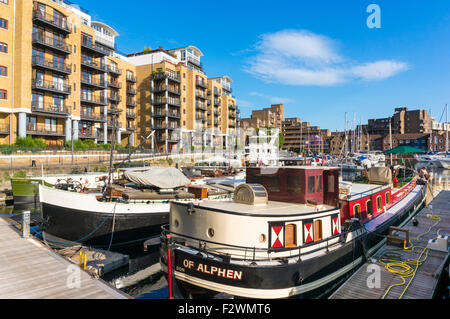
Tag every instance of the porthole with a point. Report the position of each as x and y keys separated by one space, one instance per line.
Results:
x=262 y=238
x=176 y=223
x=210 y=233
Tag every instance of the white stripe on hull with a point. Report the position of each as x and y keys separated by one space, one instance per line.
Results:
x=267 y=293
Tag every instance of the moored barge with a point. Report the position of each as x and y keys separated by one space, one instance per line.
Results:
x=288 y=232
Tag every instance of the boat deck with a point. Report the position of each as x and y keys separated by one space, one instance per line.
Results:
x=29 y=270
x=425 y=282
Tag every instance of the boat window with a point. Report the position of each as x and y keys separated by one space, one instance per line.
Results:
x=311 y=185
x=369 y=208
x=294 y=184
x=290 y=233
x=379 y=204
x=388 y=198
x=357 y=211
x=274 y=184
x=331 y=183
x=318 y=230
x=255 y=179
x=318 y=184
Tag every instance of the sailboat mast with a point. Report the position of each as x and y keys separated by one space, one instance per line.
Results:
x=390 y=137
x=446 y=130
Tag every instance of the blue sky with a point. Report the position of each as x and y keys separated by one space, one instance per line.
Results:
x=319 y=58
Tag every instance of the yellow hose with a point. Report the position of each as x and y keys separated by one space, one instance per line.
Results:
x=405 y=268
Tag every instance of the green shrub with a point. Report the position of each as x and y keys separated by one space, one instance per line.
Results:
x=20 y=174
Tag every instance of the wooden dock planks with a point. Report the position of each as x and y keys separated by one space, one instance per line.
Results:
x=424 y=284
x=29 y=270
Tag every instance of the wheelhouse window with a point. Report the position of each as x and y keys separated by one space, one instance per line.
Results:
x=294 y=184
x=311 y=184
x=357 y=211
x=318 y=184
x=274 y=184
x=379 y=204
x=255 y=179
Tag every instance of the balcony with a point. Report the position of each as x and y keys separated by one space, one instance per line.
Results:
x=131 y=103
x=51 y=65
x=201 y=107
x=94 y=65
x=50 y=86
x=45 y=130
x=4 y=129
x=115 y=98
x=53 y=21
x=194 y=62
x=131 y=127
x=114 y=110
x=114 y=70
x=131 y=114
x=161 y=101
x=101 y=84
x=232 y=116
x=94 y=48
x=49 y=108
x=170 y=138
x=131 y=91
x=98 y=100
x=168 y=126
x=94 y=117
x=115 y=84
x=201 y=95
x=170 y=113
x=52 y=43
x=202 y=84
x=200 y=117
x=232 y=107
x=217 y=102
x=166 y=75
x=111 y=124
x=131 y=78
x=91 y=134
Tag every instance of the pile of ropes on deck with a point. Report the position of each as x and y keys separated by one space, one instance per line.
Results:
x=408 y=269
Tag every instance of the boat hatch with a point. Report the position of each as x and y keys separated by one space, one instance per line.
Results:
x=250 y=194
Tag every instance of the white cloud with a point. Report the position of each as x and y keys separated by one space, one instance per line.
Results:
x=273 y=99
x=300 y=57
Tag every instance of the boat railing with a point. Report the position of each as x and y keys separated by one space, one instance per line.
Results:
x=253 y=253
x=405 y=190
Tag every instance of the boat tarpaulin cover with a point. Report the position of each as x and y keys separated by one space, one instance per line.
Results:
x=160 y=177
x=380 y=175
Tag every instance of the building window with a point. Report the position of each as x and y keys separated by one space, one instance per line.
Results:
x=3 y=70
x=3 y=24
x=3 y=95
x=3 y=47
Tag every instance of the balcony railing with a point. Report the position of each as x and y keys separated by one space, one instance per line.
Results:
x=131 y=103
x=131 y=91
x=49 y=108
x=100 y=100
x=202 y=84
x=217 y=102
x=94 y=47
x=159 y=101
x=94 y=82
x=131 y=114
x=4 y=129
x=47 y=130
x=115 y=84
x=169 y=75
x=194 y=61
x=163 y=113
x=52 y=42
x=113 y=69
x=170 y=125
x=115 y=97
x=171 y=138
x=88 y=134
x=51 y=86
x=201 y=106
x=51 y=65
x=131 y=127
x=131 y=78
x=201 y=95
x=92 y=116
x=53 y=21
x=94 y=65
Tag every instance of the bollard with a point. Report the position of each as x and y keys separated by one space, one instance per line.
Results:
x=26 y=225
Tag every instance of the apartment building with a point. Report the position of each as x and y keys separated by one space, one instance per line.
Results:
x=404 y=121
x=301 y=136
x=64 y=79
x=180 y=103
x=267 y=117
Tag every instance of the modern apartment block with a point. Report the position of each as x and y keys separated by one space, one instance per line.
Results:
x=301 y=136
x=403 y=121
x=63 y=79
x=267 y=117
x=180 y=103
